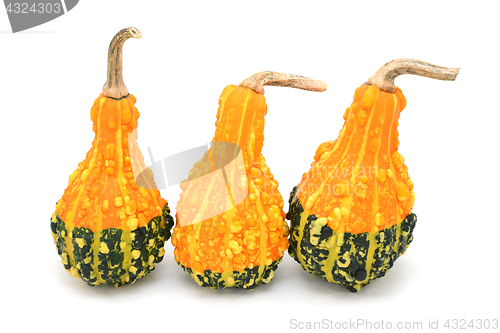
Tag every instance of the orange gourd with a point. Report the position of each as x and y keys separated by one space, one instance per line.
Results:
x=351 y=215
x=230 y=229
x=108 y=229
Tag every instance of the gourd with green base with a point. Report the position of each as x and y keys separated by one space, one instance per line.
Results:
x=351 y=215
x=106 y=228
x=242 y=244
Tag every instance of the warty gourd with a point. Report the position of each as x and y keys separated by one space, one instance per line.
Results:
x=106 y=228
x=351 y=215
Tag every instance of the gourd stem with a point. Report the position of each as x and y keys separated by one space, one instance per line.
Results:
x=383 y=79
x=259 y=80
x=114 y=86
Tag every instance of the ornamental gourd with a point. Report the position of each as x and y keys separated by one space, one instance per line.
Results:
x=106 y=228
x=231 y=229
x=351 y=215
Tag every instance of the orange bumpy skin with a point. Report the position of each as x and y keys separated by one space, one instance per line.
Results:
x=242 y=246
x=102 y=192
x=361 y=178
x=351 y=213
x=106 y=228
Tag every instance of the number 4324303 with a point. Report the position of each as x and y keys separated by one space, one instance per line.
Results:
x=36 y=8
x=463 y=324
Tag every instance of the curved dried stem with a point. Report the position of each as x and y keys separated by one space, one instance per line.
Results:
x=259 y=80
x=114 y=86
x=384 y=77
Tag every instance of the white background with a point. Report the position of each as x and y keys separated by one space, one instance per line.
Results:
x=449 y=135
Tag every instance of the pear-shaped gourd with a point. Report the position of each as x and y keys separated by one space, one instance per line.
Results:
x=108 y=229
x=231 y=229
x=351 y=215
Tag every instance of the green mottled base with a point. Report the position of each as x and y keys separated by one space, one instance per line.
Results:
x=249 y=278
x=353 y=259
x=112 y=256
